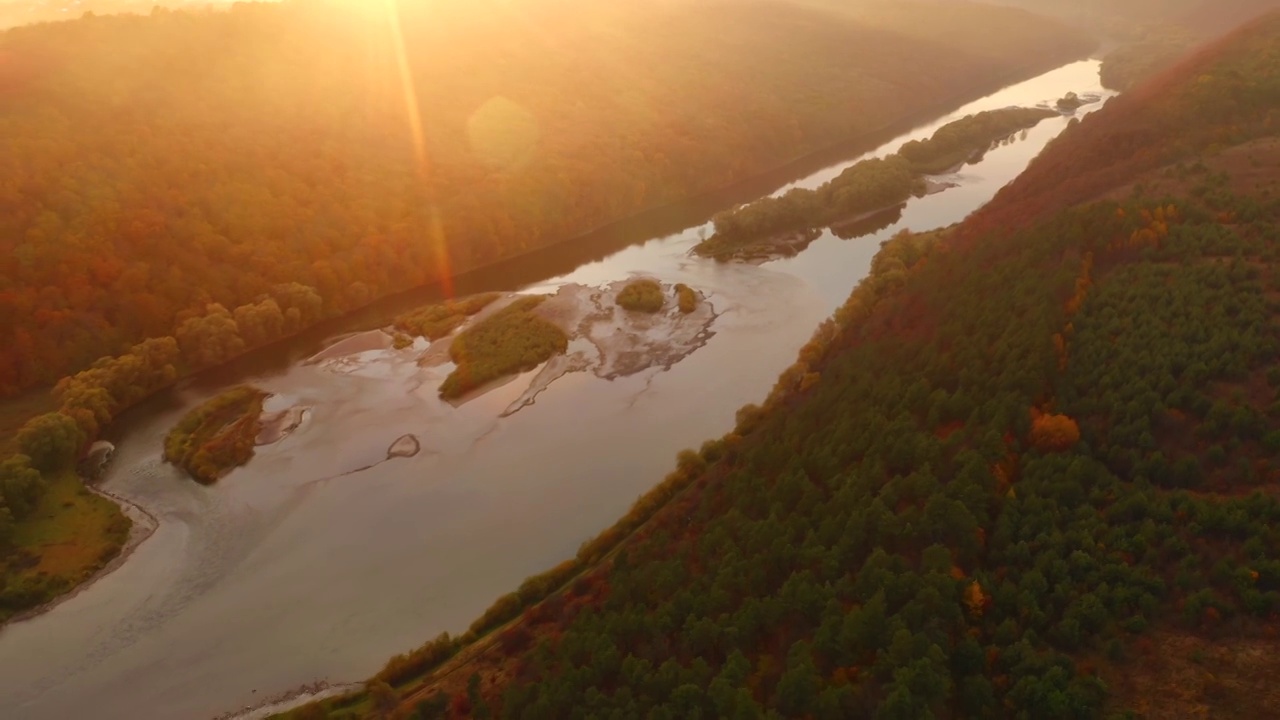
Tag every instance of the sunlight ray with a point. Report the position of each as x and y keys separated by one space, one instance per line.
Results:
x=422 y=159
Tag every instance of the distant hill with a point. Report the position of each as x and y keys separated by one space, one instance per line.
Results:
x=153 y=166
x=26 y=12
x=1031 y=469
x=1212 y=17
x=1204 y=17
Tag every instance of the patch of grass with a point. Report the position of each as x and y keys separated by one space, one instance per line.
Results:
x=218 y=435
x=436 y=321
x=71 y=535
x=511 y=340
x=642 y=296
x=688 y=298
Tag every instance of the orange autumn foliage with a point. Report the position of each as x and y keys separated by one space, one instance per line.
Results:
x=975 y=599
x=1054 y=433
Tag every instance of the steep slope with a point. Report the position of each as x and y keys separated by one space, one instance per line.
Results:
x=1034 y=474
x=1223 y=94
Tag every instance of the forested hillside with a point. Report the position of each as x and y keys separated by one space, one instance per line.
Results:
x=1027 y=471
x=154 y=169
x=1220 y=96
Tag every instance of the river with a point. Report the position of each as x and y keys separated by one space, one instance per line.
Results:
x=289 y=571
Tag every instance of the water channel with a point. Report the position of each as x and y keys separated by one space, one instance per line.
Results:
x=303 y=566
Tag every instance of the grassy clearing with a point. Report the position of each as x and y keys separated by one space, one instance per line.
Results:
x=509 y=341
x=642 y=296
x=71 y=535
x=218 y=435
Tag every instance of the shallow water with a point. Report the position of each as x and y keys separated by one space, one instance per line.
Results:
x=295 y=568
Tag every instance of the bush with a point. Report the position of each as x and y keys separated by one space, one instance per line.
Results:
x=687 y=297
x=642 y=296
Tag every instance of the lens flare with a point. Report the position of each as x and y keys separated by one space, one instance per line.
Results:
x=422 y=160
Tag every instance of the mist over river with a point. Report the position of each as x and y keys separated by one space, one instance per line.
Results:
x=322 y=557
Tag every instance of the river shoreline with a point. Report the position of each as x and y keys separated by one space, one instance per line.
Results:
x=796 y=166
x=142 y=525
x=274 y=510
x=793 y=242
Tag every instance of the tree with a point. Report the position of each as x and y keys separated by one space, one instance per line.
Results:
x=479 y=708
x=51 y=441
x=435 y=707
x=6 y=528
x=20 y=486
x=384 y=697
x=1054 y=433
x=800 y=684
x=975 y=599
x=210 y=339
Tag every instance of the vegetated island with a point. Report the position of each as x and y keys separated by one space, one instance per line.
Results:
x=784 y=225
x=642 y=295
x=1069 y=102
x=966 y=139
x=779 y=226
x=217 y=436
x=513 y=339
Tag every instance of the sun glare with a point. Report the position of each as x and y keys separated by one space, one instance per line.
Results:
x=422 y=161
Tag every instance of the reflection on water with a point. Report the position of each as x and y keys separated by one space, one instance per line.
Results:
x=295 y=568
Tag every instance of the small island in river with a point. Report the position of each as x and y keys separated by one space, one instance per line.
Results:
x=510 y=340
x=968 y=138
x=643 y=295
x=218 y=435
x=785 y=225
x=613 y=331
x=782 y=226
x=1069 y=103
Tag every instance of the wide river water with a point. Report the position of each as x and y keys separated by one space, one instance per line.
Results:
x=294 y=568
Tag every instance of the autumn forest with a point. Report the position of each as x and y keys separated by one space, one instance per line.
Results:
x=1029 y=468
